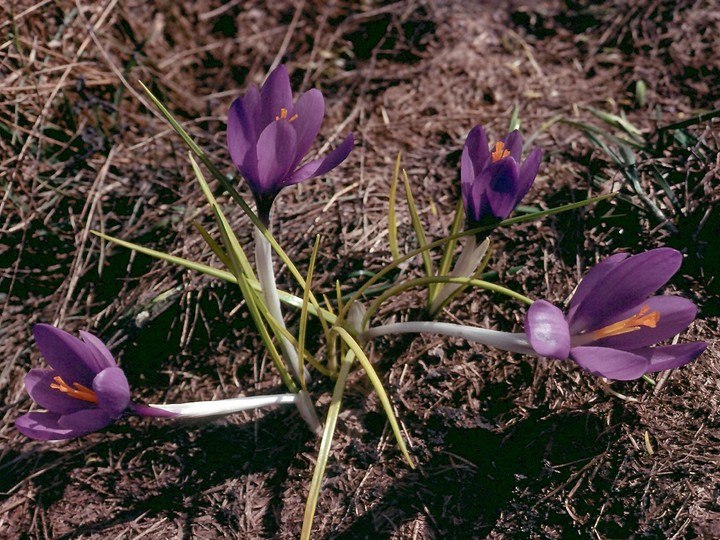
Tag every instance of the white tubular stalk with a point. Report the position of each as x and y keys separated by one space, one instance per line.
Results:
x=466 y=266
x=506 y=341
x=266 y=275
x=221 y=407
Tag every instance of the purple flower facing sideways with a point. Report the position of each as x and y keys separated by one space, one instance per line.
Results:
x=494 y=183
x=613 y=320
x=268 y=136
x=84 y=390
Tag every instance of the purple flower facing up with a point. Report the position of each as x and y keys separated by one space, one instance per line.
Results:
x=83 y=392
x=268 y=136
x=494 y=183
x=613 y=320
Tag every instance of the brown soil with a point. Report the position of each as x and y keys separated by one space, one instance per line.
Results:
x=507 y=446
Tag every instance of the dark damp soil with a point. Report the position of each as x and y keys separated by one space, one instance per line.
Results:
x=506 y=446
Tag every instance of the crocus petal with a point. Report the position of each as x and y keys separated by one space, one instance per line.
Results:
x=475 y=155
x=113 y=391
x=588 y=284
x=310 y=110
x=251 y=106
x=501 y=179
x=625 y=285
x=513 y=144
x=66 y=354
x=676 y=314
x=37 y=383
x=276 y=152
x=43 y=427
x=103 y=356
x=320 y=166
x=242 y=133
x=275 y=94
x=672 y=356
x=481 y=211
x=241 y=127
x=477 y=208
x=528 y=172
x=547 y=330
x=470 y=204
x=610 y=363
x=84 y=422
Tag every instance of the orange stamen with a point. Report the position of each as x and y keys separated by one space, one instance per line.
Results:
x=499 y=151
x=631 y=324
x=283 y=115
x=79 y=392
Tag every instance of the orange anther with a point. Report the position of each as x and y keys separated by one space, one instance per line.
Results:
x=631 y=324
x=283 y=115
x=499 y=151
x=79 y=392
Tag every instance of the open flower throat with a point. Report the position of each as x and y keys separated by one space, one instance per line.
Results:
x=643 y=318
x=283 y=115
x=78 y=392
x=500 y=152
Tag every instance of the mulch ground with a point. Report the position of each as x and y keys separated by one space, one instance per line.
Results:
x=507 y=446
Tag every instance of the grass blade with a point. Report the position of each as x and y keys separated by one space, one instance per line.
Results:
x=447 y=256
x=325 y=445
x=419 y=231
x=392 y=217
x=304 y=311
x=285 y=297
x=214 y=246
x=377 y=385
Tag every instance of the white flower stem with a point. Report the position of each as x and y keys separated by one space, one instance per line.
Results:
x=507 y=341
x=199 y=409
x=266 y=276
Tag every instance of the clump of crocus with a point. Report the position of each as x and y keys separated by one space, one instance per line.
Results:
x=494 y=182
x=85 y=390
x=268 y=135
x=613 y=320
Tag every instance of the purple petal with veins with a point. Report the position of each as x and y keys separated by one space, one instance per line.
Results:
x=626 y=284
x=66 y=354
x=43 y=427
x=547 y=330
x=275 y=95
x=610 y=363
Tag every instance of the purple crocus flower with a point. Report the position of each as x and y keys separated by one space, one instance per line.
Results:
x=84 y=391
x=268 y=136
x=494 y=183
x=614 y=321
